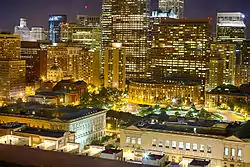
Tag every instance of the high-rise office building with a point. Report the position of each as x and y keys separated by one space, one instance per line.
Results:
x=243 y=76
x=230 y=26
x=127 y=21
x=86 y=20
x=37 y=34
x=175 y=6
x=12 y=73
x=227 y=52
x=54 y=27
x=36 y=60
x=23 y=30
x=9 y=46
x=215 y=72
x=179 y=48
x=115 y=66
x=89 y=36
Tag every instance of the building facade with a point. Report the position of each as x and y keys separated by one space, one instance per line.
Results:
x=88 y=124
x=215 y=72
x=86 y=20
x=54 y=27
x=127 y=21
x=179 y=47
x=227 y=52
x=177 y=6
x=183 y=146
x=13 y=69
x=36 y=60
x=115 y=66
x=89 y=36
x=152 y=92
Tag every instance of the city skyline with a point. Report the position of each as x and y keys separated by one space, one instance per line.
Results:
x=39 y=12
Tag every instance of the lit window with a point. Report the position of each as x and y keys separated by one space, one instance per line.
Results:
x=133 y=140
x=154 y=142
x=188 y=146
x=202 y=148
x=181 y=145
x=139 y=140
x=127 y=139
x=226 y=151
x=174 y=144
x=209 y=149
x=239 y=152
x=167 y=144
x=194 y=147
x=232 y=152
x=160 y=143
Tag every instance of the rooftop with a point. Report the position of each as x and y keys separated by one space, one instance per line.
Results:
x=111 y=151
x=37 y=157
x=44 y=132
x=199 y=162
x=217 y=130
x=43 y=111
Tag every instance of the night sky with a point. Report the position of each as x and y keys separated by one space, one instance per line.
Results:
x=37 y=11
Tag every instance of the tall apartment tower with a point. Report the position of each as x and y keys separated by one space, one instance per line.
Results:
x=180 y=48
x=127 y=21
x=176 y=6
x=115 y=66
x=12 y=73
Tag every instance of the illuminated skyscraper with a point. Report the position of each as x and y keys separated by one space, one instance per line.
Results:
x=176 y=6
x=115 y=66
x=36 y=60
x=127 y=21
x=86 y=20
x=227 y=53
x=180 y=48
x=12 y=73
x=230 y=26
x=215 y=72
x=23 y=30
x=54 y=27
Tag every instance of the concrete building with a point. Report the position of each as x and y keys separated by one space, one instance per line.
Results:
x=89 y=36
x=217 y=144
x=153 y=92
x=177 y=6
x=21 y=135
x=38 y=34
x=115 y=66
x=127 y=21
x=230 y=26
x=88 y=124
x=243 y=75
x=215 y=72
x=13 y=69
x=23 y=30
x=86 y=20
x=9 y=46
x=55 y=73
x=36 y=60
x=179 y=47
x=54 y=27
x=65 y=92
x=227 y=52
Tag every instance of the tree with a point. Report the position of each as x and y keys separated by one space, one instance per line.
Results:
x=177 y=114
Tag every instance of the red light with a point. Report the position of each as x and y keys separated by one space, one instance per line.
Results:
x=86 y=6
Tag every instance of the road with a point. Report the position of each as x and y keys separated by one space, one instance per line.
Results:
x=229 y=115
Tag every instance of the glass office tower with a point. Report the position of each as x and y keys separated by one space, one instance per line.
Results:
x=176 y=6
x=54 y=27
